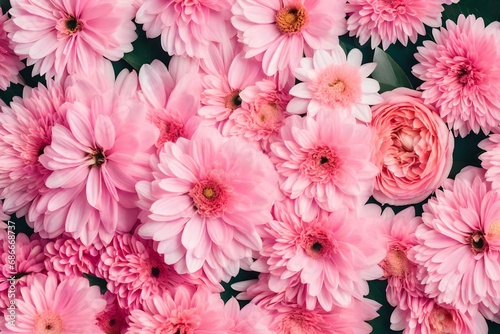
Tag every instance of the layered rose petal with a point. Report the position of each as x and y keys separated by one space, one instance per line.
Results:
x=414 y=148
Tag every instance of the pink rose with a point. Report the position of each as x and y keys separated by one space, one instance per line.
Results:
x=414 y=148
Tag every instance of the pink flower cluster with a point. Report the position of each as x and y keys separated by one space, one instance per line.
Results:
x=256 y=147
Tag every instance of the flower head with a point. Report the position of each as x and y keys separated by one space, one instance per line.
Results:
x=187 y=28
x=388 y=21
x=324 y=162
x=459 y=243
x=461 y=74
x=324 y=262
x=284 y=30
x=25 y=132
x=336 y=83
x=70 y=36
x=414 y=148
x=49 y=306
x=185 y=310
x=10 y=64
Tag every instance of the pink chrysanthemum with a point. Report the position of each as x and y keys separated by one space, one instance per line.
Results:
x=202 y=208
x=187 y=310
x=3 y=217
x=251 y=319
x=490 y=161
x=227 y=74
x=261 y=115
x=49 y=306
x=112 y=320
x=25 y=131
x=389 y=21
x=95 y=161
x=278 y=32
x=22 y=261
x=69 y=257
x=187 y=28
x=461 y=74
x=426 y=316
x=70 y=36
x=326 y=261
x=335 y=82
x=459 y=243
x=135 y=272
x=172 y=106
x=324 y=162
x=401 y=273
x=10 y=65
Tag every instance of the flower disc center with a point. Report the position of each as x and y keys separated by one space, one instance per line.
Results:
x=291 y=19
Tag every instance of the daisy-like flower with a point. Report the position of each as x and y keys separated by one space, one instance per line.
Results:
x=251 y=319
x=261 y=115
x=202 y=209
x=324 y=162
x=278 y=32
x=135 y=272
x=172 y=106
x=70 y=36
x=332 y=81
x=459 y=243
x=325 y=262
x=426 y=316
x=24 y=259
x=25 y=131
x=461 y=74
x=227 y=74
x=112 y=320
x=489 y=159
x=187 y=28
x=400 y=272
x=95 y=161
x=185 y=310
x=389 y=21
x=49 y=306
x=10 y=64
x=69 y=257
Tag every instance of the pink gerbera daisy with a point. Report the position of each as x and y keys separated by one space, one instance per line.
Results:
x=326 y=261
x=70 y=36
x=426 y=316
x=461 y=74
x=23 y=261
x=10 y=65
x=187 y=28
x=400 y=272
x=202 y=208
x=227 y=74
x=278 y=32
x=261 y=115
x=49 y=306
x=459 y=243
x=324 y=162
x=185 y=310
x=332 y=81
x=390 y=21
x=25 y=131
x=95 y=161
x=112 y=320
x=172 y=106
x=69 y=257
x=135 y=272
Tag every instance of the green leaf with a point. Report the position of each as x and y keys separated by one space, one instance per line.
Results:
x=487 y=9
x=388 y=72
